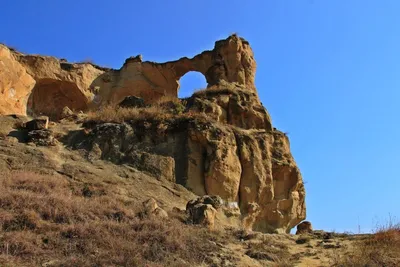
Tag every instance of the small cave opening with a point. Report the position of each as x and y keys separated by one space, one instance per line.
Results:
x=50 y=96
x=190 y=82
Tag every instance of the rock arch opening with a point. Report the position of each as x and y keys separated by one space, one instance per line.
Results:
x=50 y=96
x=190 y=82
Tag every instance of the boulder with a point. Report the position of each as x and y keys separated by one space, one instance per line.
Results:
x=203 y=214
x=40 y=123
x=151 y=208
x=204 y=209
x=304 y=227
x=215 y=201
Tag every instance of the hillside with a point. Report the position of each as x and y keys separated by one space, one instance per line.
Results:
x=103 y=167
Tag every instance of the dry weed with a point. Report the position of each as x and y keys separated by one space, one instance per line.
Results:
x=45 y=218
x=380 y=249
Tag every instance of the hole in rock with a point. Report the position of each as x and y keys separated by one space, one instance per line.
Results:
x=49 y=97
x=190 y=82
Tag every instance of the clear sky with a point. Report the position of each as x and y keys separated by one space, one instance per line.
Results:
x=328 y=73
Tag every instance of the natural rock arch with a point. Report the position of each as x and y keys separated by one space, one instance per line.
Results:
x=189 y=82
x=50 y=96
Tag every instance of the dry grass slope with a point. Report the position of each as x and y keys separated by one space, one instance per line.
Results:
x=380 y=249
x=46 y=219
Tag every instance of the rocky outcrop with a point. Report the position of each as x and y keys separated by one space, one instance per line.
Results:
x=203 y=210
x=220 y=142
x=15 y=84
x=40 y=85
x=304 y=228
x=251 y=167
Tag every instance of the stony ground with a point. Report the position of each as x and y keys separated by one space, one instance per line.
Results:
x=59 y=207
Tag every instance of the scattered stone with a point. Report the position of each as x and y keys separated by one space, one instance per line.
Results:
x=40 y=123
x=42 y=138
x=327 y=235
x=151 y=208
x=67 y=113
x=303 y=240
x=304 y=227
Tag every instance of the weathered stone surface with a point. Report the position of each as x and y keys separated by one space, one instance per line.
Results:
x=304 y=227
x=41 y=137
x=67 y=113
x=220 y=169
x=44 y=85
x=151 y=208
x=15 y=84
x=40 y=123
x=216 y=201
x=219 y=142
x=201 y=213
x=251 y=167
x=231 y=104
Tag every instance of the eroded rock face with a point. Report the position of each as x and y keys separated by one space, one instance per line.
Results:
x=222 y=143
x=15 y=84
x=304 y=228
x=43 y=85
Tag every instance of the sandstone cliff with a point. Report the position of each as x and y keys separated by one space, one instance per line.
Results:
x=40 y=84
x=221 y=141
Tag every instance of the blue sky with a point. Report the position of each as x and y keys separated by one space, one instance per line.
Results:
x=328 y=73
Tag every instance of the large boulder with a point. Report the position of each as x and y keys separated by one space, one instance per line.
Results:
x=304 y=227
x=203 y=210
x=203 y=214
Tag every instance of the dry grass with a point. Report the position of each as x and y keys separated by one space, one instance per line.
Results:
x=380 y=249
x=167 y=108
x=50 y=219
x=222 y=88
x=266 y=248
x=270 y=250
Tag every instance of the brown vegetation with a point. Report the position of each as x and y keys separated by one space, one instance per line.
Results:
x=166 y=108
x=270 y=250
x=222 y=88
x=46 y=219
x=380 y=249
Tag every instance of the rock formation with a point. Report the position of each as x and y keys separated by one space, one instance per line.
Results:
x=222 y=143
x=45 y=85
